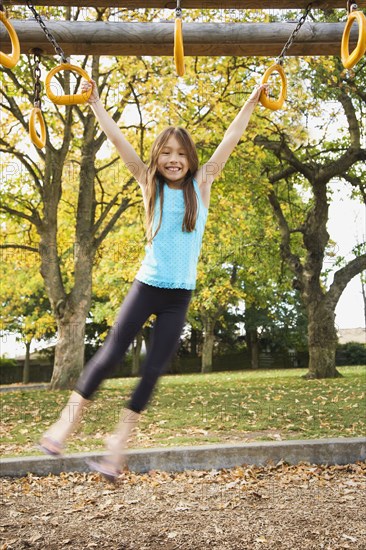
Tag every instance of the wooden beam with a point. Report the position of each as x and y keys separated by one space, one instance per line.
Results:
x=196 y=4
x=119 y=39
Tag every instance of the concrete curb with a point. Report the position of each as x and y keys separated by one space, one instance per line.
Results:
x=202 y=457
x=27 y=387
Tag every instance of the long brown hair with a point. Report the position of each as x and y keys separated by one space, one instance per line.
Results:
x=155 y=181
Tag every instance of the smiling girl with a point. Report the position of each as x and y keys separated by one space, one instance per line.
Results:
x=176 y=195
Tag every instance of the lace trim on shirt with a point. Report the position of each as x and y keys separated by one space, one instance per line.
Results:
x=159 y=284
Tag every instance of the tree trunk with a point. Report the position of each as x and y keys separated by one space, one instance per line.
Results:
x=146 y=334
x=70 y=347
x=26 y=367
x=70 y=307
x=136 y=351
x=320 y=305
x=363 y=291
x=251 y=316
x=320 y=309
x=322 y=341
x=208 y=344
x=252 y=338
x=194 y=334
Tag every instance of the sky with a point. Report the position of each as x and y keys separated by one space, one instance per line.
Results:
x=347 y=226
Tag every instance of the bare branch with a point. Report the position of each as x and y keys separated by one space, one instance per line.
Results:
x=343 y=276
x=29 y=164
x=350 y=112
x=286 y=253
x=283 y=152
x=126 y=203
x=20 y=246
x=356 y=182
x=105 y=212
x=32 y=219
x=285 y=173
x=315 y=173
x=113 y=161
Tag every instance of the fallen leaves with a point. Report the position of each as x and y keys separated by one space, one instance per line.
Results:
x=279 y=506
x=348 y=537
x=197 y=409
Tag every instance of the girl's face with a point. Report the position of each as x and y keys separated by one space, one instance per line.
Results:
x=173 y=162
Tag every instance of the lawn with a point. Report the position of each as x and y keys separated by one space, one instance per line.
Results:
x=225 y=407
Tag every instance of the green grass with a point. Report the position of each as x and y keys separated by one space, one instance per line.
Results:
x=201 y=409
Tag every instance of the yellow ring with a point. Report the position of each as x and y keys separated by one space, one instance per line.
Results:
x=9 y=61
x=39 y=141
x=73 y=99
x=178 y=47
x=350 y=60
x=264 y=98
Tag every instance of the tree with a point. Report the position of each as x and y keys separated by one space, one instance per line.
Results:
x=363 y=291
x=315 y=166
x=25 y=309
x=359 y=249
x=67 y=225
x=72 y=136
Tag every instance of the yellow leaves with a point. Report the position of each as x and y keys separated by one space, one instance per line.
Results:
x=205 y=294
x=25 y=308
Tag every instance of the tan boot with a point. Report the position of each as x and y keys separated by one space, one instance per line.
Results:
x=110 y=465
x=53 y=439
x=117 y=442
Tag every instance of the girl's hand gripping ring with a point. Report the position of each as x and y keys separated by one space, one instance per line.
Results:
x=73 y=99
x=264 y=98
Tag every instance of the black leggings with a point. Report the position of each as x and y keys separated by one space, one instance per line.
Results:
x=170 y=307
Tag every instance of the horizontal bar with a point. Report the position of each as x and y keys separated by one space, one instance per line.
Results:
x=201 y=39
x=196 y=4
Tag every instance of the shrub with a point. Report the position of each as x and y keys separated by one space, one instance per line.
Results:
x=5 y=362
x=352 y=353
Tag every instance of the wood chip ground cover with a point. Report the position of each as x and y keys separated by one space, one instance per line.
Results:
x=279 y=506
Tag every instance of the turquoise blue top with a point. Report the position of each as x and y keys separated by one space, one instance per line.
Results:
x=171 y=259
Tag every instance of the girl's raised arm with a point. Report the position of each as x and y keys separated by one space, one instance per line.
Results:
x=209 y=171
x=128 y=154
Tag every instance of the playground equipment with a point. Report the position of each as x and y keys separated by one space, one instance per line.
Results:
x=209 y=39
x=278 y=67
x=73 y=99
x=199 y=39
x=36 y=113
x=194 y=4
x=178 y=41
x=9 y=61
x=350 y=60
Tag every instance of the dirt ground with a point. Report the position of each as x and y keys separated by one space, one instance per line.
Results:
x=277 y=507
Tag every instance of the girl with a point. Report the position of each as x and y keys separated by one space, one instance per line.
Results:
x=176 y=196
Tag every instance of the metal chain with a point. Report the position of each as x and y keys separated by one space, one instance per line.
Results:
x=178 y=10
x=49 y=36
x=290 y=41
x=351 y=6
x=37 y=81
